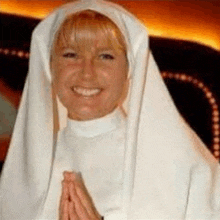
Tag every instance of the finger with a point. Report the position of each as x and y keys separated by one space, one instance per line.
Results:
x=65 y=191
x=64 y=215
x=72 y=212
x=64 y=197
x=79 y=184
x=79 y=208
x=84 y=196
x=67 y=175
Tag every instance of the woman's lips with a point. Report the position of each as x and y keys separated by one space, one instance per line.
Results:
x=87 y=92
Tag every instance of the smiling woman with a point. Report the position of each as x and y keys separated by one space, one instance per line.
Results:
x=74 y=154
x=89 y=65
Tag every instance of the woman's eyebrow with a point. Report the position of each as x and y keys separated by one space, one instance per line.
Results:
x=68 y=47
x=101 y=49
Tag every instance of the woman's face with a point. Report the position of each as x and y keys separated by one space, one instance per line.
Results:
x=89 y=83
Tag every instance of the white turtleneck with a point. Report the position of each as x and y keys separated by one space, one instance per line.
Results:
x=96 y=149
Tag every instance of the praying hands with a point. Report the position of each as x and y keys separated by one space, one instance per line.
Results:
x=76 y=203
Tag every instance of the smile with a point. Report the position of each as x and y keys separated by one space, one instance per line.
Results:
x=85 y=91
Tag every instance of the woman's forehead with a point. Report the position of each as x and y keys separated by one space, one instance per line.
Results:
x=88 y=41
x=88 y=28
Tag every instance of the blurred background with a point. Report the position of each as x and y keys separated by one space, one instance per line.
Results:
x=184 y=38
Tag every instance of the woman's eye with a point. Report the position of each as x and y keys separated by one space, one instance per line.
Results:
x=107 y=56
x=70 y=55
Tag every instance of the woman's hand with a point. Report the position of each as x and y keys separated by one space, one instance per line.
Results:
x=76 y=203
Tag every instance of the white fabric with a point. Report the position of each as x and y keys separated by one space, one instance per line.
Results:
x=97 y=154
x=95 y=127
x=168 y=172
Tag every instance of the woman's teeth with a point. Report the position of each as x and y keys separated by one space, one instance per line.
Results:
x=86 y=92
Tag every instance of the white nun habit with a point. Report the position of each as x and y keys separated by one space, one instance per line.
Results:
x=161 y=169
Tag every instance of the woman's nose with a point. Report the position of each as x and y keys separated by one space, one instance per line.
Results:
x=88 y=70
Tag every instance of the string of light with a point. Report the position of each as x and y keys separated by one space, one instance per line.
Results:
x=15 y=52
x=212 y=101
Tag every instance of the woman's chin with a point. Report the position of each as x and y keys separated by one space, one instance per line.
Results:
x=86 y=114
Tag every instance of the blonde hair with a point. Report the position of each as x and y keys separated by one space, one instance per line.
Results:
x=81 y=29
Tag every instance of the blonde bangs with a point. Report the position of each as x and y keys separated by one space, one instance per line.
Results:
x=82 y=29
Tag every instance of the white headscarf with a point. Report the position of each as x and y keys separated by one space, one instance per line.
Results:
x=168 y=172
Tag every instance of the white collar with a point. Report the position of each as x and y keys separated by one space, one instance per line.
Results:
x=95 y=127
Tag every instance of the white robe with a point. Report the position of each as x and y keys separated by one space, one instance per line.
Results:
x=95 y=148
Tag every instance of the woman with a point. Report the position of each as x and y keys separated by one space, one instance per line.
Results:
x=137 y=157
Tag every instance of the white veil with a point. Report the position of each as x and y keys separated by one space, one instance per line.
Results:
x=168 y=172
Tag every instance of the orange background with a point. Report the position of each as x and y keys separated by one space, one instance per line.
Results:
x=190 y=20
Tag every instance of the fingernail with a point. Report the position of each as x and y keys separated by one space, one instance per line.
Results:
x=79 y=174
